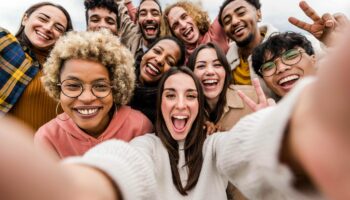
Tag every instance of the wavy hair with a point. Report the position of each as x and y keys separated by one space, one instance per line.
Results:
x=200 y=17
x=99 y=46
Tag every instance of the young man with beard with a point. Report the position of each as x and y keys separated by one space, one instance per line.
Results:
x=140 y=35
x=101 y=14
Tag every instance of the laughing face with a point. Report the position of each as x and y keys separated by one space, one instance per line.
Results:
x=179 y=105
x=87 y=111
x=149 y=20
x=240 y=20
x=211 y=74
x=44 y=26
x=158 y=60
x=285 y=77
x=183 y=26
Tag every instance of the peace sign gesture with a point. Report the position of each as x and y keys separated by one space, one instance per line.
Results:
x=324 y=28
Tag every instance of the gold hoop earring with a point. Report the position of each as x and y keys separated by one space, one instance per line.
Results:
x=59 y=102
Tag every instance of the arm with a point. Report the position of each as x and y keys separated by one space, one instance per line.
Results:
x=325 y=28
x=25 y=172
x=43 y=144
x=131 y=9
x=217 y=34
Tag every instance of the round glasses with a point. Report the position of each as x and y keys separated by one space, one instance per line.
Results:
x=290 y=57
x=74 y=88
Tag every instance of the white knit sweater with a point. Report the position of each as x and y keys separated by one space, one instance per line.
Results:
x=247 y=155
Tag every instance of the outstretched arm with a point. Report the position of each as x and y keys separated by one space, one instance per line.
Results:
x=325 y=28
x=28 y=174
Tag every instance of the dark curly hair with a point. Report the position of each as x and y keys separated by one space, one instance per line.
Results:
x=255 y=3
x=108 y=4
x=277 y=44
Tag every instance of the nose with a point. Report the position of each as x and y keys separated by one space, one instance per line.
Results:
x=182 y=24
x=160 y=59
x=87 y=95
x=281 y=67
x=48 y=26
x=209 y=70
x=235 y=21
x=149 y=16
x=180 y=104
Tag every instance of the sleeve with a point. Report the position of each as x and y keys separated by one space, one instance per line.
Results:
x=131 y=9
x=128 y=29
x=217 y=34
x=125 y=165
x=249 y=153
x=43 y=142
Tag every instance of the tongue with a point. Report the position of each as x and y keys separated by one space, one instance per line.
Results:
x=291 y=82
x=179 y=123
x=150 y=31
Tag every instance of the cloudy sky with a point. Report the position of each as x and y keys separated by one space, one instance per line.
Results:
x=274 y=12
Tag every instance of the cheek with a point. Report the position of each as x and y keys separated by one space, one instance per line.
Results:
x=66 y=102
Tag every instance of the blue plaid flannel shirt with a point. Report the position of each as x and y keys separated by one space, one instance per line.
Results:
x=17 y=68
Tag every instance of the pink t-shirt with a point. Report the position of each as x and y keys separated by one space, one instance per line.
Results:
x=66 y=139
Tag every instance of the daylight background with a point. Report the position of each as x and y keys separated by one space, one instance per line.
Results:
x=274 y=12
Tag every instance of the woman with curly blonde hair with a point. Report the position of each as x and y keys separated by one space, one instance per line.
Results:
x=92 y=76
x=191 y=25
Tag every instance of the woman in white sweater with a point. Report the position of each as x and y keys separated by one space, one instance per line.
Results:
x=264 y=155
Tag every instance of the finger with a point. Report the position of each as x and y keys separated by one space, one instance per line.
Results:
x=341 y=19
x=328 y=20
x=251 y=104
x=271 y=102
x=259 y=91
x=309 y=11
x=300 y=24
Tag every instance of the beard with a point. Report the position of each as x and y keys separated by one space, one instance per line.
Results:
x=149 y=38
x=245 y=41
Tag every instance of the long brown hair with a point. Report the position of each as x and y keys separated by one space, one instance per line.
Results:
x=193 y=142
x=20 y=35
x=214 y=115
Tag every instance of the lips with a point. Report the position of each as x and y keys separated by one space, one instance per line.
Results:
x=42 y=35
x=288 y=82
x=152 y=69
x=87 y=112
x=150 y=28
x=187 y=32
x=179 y=122
x=210 y=83
x=238 y=31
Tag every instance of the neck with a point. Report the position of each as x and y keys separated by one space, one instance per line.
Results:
x=212 y=103
x=247 y=50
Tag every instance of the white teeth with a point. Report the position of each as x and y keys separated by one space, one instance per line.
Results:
x=238 y=29
x=288 y=78
x=153 y=68
x=210 y=81
x=180 y=117
x=87 y=111
x=43 y=35
x=187 y=31
x=150 y=27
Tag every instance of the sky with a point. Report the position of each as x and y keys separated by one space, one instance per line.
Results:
x=274 y=12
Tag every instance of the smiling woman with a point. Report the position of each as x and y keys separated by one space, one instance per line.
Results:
x=91 y=75
x=21 y=92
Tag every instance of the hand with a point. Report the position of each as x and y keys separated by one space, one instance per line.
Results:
x=263 y=101
x=325 y=27
x=211 y=127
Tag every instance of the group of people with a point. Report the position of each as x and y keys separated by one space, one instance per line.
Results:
x=191 y=103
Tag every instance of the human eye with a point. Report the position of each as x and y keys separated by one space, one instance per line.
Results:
x=227 y=20
x=142 y=13
x=174 y=26
x=268 y=66
x=192 y=95
x=217 y=64
x=157 y=51
x=71 y=85
x=94 y=19
x=241 y=12
x=171 y=61
x=184 y=16
x=291 y=54
x=42 y=19
x=101 y=87
x=59 y=28
x=110 y=21
x=170 y=95
x=155 y=13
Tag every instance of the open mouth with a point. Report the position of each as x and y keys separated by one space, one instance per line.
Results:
x=288 y=81
x=238 y=31
x=152 y=70
x=210 y=83
x=42 y=35
x=187 y=32
x=179 y=122
x=87 y=112
x=150 y=28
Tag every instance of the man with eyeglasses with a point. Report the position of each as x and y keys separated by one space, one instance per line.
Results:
x=284 y=59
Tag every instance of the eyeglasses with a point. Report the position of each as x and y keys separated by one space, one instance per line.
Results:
x=73 y=88
x=290 y=57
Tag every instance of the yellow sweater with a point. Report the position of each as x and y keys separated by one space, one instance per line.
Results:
x=35 y=107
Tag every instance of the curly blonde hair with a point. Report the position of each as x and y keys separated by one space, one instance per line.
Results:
x=100 y=46
x=200 y=17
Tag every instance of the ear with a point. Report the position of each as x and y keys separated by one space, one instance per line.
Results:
x=258 y=15
x=24 y=19
x=313 y=59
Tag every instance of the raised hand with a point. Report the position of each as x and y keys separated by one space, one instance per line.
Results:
x=263 y=102
x=324 y=28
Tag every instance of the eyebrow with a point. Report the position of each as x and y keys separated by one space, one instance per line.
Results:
x=239 y=8
x=47 y=16
x=173 y=90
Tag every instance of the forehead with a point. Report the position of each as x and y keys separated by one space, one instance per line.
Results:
x=169 y=46
x=207 y=54
x=180 y=82
x=235 y=5
x=102 y=12
x=175 y=13
x=149 y=5
x=84 y=69
x=52 y=12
